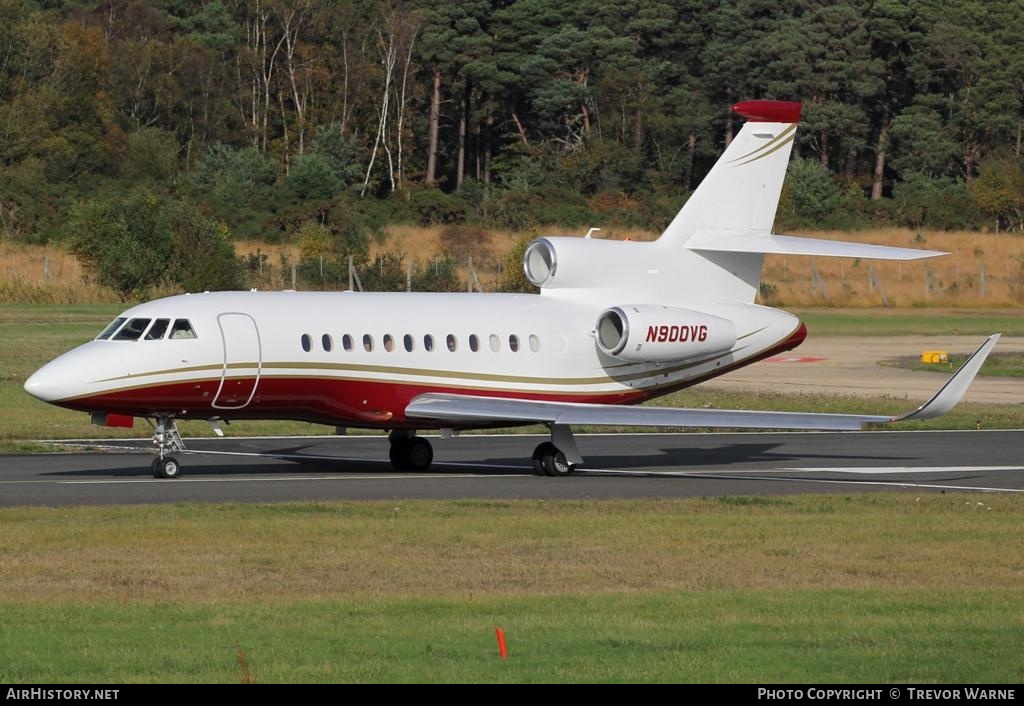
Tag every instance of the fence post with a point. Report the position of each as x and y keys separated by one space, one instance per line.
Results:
x=873 y=281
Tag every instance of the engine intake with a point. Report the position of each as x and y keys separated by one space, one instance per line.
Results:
x=645 y=333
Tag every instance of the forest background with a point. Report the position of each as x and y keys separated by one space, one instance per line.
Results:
x=148 y=138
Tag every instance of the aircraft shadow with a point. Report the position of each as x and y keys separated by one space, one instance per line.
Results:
x=733 y=455
x=303 y=458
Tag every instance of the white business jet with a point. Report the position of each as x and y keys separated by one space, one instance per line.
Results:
x=616 y=323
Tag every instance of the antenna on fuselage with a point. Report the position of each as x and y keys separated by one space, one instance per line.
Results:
x=591 y=232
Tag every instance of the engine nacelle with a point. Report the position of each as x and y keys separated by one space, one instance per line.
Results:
x=559 y=262
x=646 y=333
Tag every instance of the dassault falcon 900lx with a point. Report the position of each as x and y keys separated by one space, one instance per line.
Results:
x=616 y=323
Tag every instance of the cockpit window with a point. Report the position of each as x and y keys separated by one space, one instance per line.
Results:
x=111 y=327
x=157 y=330
x=182 y=329
x=132 y=330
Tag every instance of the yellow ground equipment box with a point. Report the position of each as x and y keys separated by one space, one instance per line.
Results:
x=935 y=357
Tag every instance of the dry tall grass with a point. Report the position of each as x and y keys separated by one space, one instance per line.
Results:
x=35 y=274
x=983 y=269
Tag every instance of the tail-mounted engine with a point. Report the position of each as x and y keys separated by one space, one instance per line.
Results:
x=645 y=333
x=559 y=262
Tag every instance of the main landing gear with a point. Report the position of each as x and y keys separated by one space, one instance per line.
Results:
x=558 y=457
x=167 y=440
x=409 y=452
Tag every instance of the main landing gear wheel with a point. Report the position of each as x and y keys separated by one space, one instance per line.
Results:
x=411 y=454
x=549 y=461
x=166 y=467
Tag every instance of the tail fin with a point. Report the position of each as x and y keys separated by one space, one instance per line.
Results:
x=726 y=224
x=741 y=192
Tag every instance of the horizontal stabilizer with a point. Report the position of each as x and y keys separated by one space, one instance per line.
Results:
x=815 y=247
x=471 y=410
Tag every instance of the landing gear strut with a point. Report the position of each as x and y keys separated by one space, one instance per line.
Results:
x=558 y=457
x=409 y=452
x=167 y=440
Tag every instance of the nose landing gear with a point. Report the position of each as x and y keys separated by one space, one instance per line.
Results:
x=167 y=440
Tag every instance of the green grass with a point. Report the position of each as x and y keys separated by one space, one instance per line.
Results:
x=911 y=322
x=715 y=636
x=861 y=588
x=1005 y=365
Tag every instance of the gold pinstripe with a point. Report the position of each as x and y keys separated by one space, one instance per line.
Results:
x=765 y=154
x=782 y=135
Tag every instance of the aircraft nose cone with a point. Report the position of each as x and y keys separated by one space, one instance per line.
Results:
x=43 y=384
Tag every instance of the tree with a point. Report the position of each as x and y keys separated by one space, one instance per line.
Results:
x=513 y=277
x=127 y=244
x=136 y=243
x=999 y=193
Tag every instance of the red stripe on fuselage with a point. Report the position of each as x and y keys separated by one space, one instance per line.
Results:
x=321 y=400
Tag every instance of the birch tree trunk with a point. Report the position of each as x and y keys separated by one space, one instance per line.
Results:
x=435 y=118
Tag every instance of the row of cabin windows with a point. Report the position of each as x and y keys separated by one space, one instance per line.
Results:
x=124 y=329
x=451 y=342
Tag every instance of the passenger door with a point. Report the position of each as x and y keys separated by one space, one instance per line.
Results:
x=243 y=361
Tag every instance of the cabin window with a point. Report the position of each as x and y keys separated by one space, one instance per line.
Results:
x=495 y=342
x=327 y=342
x=182 y=329
x=157 y=330
x=428 y=343
x=452 y=342
x=408 y=342
x=111 y=327
x=389 y=343
x=367 y=343
x=132 y=330
x=474 y=343
x=307 y=342
x=513 y=343
x=346 y=342
x=534 y=343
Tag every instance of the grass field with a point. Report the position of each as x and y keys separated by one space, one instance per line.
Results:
x=862 y=588
x=1006 y=365
x=911 y=322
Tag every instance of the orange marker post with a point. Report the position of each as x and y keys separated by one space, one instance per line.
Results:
x=502 y=649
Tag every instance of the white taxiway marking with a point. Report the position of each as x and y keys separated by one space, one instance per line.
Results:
x=885 y=470
x=273 y=479
x=769 y=476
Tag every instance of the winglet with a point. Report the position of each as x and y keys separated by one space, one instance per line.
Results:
x=952 y=392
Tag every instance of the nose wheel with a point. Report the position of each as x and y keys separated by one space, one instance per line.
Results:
x=167 y=440
x=166 y=467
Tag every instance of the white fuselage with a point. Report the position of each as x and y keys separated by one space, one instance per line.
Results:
x=369 y=354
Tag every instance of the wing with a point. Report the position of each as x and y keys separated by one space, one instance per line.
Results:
x=457 y=410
